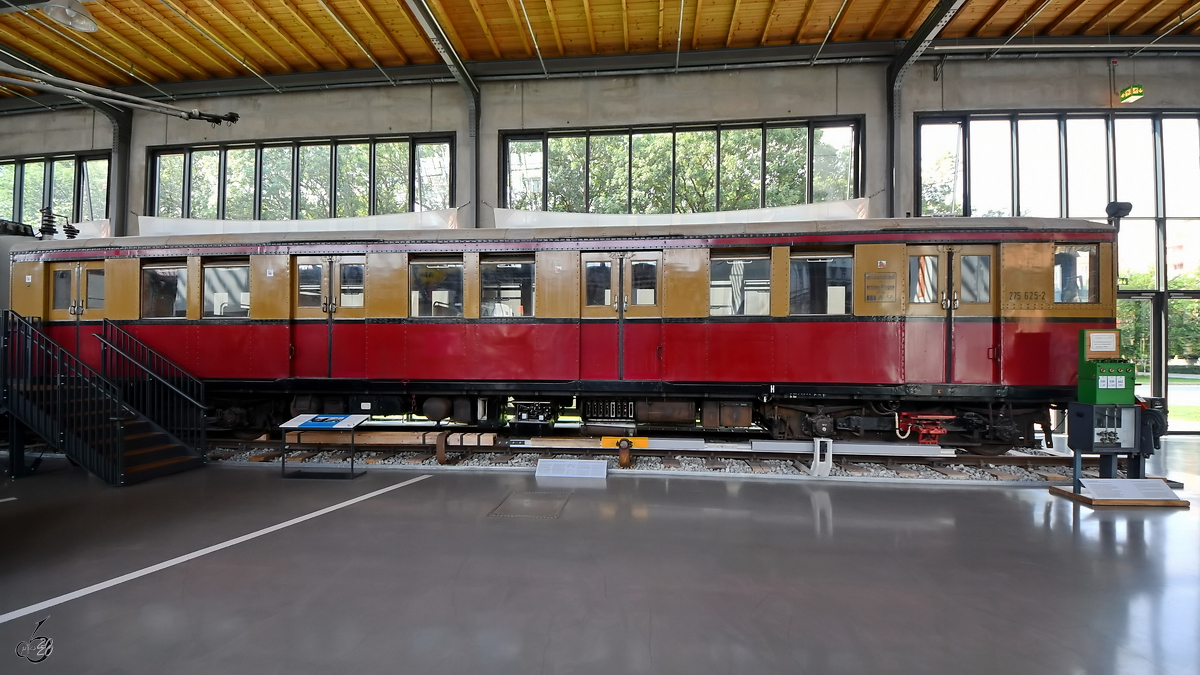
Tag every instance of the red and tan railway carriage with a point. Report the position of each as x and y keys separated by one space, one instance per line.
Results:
x=963 y=329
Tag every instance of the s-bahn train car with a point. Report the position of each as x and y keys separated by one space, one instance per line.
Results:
x=961 y=330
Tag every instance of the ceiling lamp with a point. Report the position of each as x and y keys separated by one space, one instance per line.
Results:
x=1132 y=93
x=72 y=14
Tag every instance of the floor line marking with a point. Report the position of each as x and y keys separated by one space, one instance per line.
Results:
x=94 y=588
x=8 y=499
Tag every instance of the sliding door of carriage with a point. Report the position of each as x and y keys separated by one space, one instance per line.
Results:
x=621 y=316
x=328 y=330
x=76 y=296
x=974 y=315
x=952 y=329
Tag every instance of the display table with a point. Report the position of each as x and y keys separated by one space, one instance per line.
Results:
x=309 y=422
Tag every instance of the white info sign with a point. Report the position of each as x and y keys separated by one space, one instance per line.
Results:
x=1128 y=488
x=1102 y=342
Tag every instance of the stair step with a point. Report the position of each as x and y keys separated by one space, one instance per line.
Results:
x=153 y=448
x=161 y=463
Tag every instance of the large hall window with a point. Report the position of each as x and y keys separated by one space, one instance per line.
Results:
x=1072 y=164
x=683 y=168
x=306 y=179
x=74 y=187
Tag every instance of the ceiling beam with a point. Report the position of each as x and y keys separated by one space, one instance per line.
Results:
x=1175 y=18
x=1013 y=30
x=732 y=22
x=1100 y=18
x=558 y=36
x=624 y=23
x=695 y=25
x=446 y=26
x=183 y=39
x=382 y=29
x=132 y=47
x=977 y=31
x=250 y=35
x=51 y=57
x=279 y=32
x=808 y=6
x=1063 y=17
x=1140 y=14
x=771 y=16
x=914 y=19
x=587 y=13
x=879 y=14
x=487 y=32
x=101 y=67
x=661 y=4
x=218 y=38
x=840 y=21
x=94 y=47
x=136 y=26
x=303 y=20
x=516 y=17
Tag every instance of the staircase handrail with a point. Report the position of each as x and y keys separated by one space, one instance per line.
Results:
x=141 y=366
x=150 y=358
x=96 y=445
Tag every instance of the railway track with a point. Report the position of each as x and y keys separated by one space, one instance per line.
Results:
x=1018 y=466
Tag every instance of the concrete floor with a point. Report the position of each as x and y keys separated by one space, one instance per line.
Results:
x=642 y=575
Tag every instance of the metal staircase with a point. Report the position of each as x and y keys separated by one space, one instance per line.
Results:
x=91 y=419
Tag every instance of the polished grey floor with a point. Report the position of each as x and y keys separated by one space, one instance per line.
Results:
x=641 y=575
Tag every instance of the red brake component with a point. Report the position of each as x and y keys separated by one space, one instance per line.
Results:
x=928 y=427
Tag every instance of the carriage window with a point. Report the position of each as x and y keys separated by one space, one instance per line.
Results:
x=822 y=285
x=353 y=275
x=976 y=273
x=95 y=289
x=923 y=278
x=598 y=280
x=740 y=286
x=1077 y=273
x=227 y=291
x=645 y=282
x=308 y=284
x=62 y=289
x=435 y=287
x=506 y=287
x=164 y=292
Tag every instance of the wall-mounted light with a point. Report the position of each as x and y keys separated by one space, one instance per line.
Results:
x=72 y=14
x=1132 y=93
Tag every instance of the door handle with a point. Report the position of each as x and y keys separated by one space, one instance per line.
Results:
x=945 y=301
x=659 y=352
x=993 y=354
x=627 y=302
x=955 y=303
x=325 y=303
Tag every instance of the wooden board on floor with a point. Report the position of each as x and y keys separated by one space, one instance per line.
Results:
x=301 y=456
x=852 y=469
x=1084 y=497
x=1001 y=474
x=502 y=459
x=417 y=459
x=266 y=456
x=950 y=473
x=379 y=457
x=1051 y=475
x=757 y=466
x=671 y=463
x=715 y=464
x=904 y=472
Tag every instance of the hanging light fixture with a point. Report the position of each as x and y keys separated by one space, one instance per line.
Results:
x=72 y=14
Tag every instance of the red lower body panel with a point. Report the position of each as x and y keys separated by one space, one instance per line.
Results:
x=1038 y=353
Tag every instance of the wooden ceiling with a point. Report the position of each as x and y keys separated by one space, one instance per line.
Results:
x=153 y=41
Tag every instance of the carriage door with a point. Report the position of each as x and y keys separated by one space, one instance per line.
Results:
x=621 y=327
x=974 y=315
x=76 y=295
x=328 y=289
x=928 y=307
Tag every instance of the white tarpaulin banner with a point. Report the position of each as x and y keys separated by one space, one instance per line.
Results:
x=445 y=219
x=851 y=209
